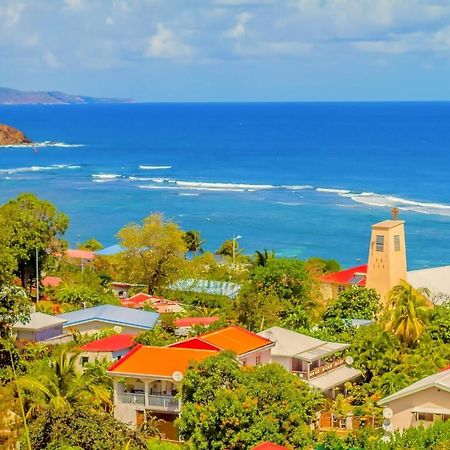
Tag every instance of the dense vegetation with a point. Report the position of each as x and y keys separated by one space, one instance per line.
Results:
x=225 y=406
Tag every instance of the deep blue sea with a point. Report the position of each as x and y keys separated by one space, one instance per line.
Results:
x=303 y=179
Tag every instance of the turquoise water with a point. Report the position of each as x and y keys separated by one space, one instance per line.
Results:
x=302 y=179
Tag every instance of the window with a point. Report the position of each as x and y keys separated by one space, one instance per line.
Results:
x=379 y=243
x=258 y=360
x=341 y=288
x=427 y=417
x=397 y=243
x=84 y=360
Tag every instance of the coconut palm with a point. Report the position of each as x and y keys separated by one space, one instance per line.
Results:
x=193 y=241
x=58 y=384
x=262 y=257
x=407 y=313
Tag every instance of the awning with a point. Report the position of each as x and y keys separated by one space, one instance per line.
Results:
x=431 y=410
x=327 y=348
x=334 y=378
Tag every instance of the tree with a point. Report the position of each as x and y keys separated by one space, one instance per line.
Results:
x=356 y=302
x=58 y=384
x=320 y=266
x=82 y=428
x=229 y=248
x=91 y=244
x=229 y=407
x=408 y=311
x=82 y=296
x=193 y=241
x=262 y=257
x=29 y=224
x=14 y=307
x=152 y=252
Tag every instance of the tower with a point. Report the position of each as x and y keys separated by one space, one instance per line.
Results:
x=386 y=265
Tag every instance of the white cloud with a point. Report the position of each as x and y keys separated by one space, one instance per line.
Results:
x=239 y=28
x=10 y=14
x=51 y=60
x=165 y=45
x=74 y=4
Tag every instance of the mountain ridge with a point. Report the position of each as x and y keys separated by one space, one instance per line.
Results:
x=9 y=96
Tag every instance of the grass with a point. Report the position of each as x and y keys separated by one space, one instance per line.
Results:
x=156 y=444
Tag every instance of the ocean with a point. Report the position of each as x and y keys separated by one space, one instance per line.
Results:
x=302 y=179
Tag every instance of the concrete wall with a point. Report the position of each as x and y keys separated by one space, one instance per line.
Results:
x=285 y=361
x=250 y=360
x=403 y=417
x=40 y=335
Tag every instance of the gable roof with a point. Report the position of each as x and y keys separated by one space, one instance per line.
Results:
x=81 y=254
x=292 y=344
x=355 y=276
x=440 y=380
x=51 y=281
x=192 y=321
x=435 y=279
x=135 y=301
x=112 y=343
x=269 y=446
x=158 y=361
x=39 y=321
x=233 y=338
x=114 y=315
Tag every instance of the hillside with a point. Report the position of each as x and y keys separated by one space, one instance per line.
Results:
x=14 y=97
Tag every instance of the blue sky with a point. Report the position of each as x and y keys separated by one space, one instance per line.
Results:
x=229 y=50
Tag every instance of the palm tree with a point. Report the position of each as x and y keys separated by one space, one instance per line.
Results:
x=408 y=311
x=262 y=258
x=193 y=241
x=58 y=384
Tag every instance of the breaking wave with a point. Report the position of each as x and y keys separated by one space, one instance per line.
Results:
x=39 y=168
x=154 y=167
x=42 y=144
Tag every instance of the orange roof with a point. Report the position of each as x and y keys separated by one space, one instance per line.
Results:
x=81 y=254
x=234 y=338
x=51 y=281
x=158 y=361
x=268 y=446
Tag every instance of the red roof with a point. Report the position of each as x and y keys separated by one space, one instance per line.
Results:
x=81 y=254
x=110 y=344
x=268 y=446
x=136 y=300
x=160 y=304
x=192 y=321
x=355 y=276
x=51 y=281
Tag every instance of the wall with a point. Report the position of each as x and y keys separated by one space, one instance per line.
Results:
x=250 y=360
x=403 y=418
x=96 y=325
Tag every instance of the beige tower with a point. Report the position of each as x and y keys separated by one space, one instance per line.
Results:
x=387 y=256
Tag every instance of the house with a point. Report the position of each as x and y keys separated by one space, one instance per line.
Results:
x=436 y=280
x=319 y=363
x=269 y=446
x=122 y=289
x=159 y=304
x=250 y=348
x=110 y=348
x=89 y=320
x=41 y=327
x=146 y=380
x=421 y=403
x=49 y=281
x=332 y=284
x=184 y=325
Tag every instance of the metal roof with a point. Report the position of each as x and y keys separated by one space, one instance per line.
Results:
x=334 y=378
x=39 y=321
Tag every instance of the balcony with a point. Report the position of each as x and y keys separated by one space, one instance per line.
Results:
x=320 y=370
x=166 y=403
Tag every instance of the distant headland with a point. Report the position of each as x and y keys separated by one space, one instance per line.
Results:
x=14 y=97
x=12 y=136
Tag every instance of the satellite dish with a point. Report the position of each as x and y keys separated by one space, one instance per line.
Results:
x=177 y=376
x=348 y=360
x=388 y=413
x=387 y=426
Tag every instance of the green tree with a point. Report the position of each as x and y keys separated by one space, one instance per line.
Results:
x=229 y=248
x=262 y=257
x=229 y=407
x=56 y=383
x=84 y=428
x=439 y=325
x=91 y=244
x=193 y=241
x=153 y=252
x=83 y=296
x=157 y=337
x=321 y=266
x=407 y=314
x=29 y=224
x=14 y=307
x=356 y=302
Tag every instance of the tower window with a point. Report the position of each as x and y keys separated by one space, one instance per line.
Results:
x=379 y=243
x=397 y=242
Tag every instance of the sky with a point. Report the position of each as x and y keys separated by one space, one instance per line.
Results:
x=229 y=50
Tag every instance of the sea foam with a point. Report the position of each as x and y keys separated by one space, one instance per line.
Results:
x=39 y=168
x=142 y=167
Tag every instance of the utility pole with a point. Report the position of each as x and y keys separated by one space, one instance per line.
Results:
x=37 y=275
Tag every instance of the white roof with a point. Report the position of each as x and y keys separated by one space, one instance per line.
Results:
x=436 y=279
x=292 y=344
x=39 y=321
x=334 y=378
x=440 y=380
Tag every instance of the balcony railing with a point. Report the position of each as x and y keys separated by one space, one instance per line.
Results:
x=162 y=402
x=320 y=370
x=131 y=399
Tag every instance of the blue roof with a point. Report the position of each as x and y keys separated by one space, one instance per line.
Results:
x=108 y=251
x=114 y=315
